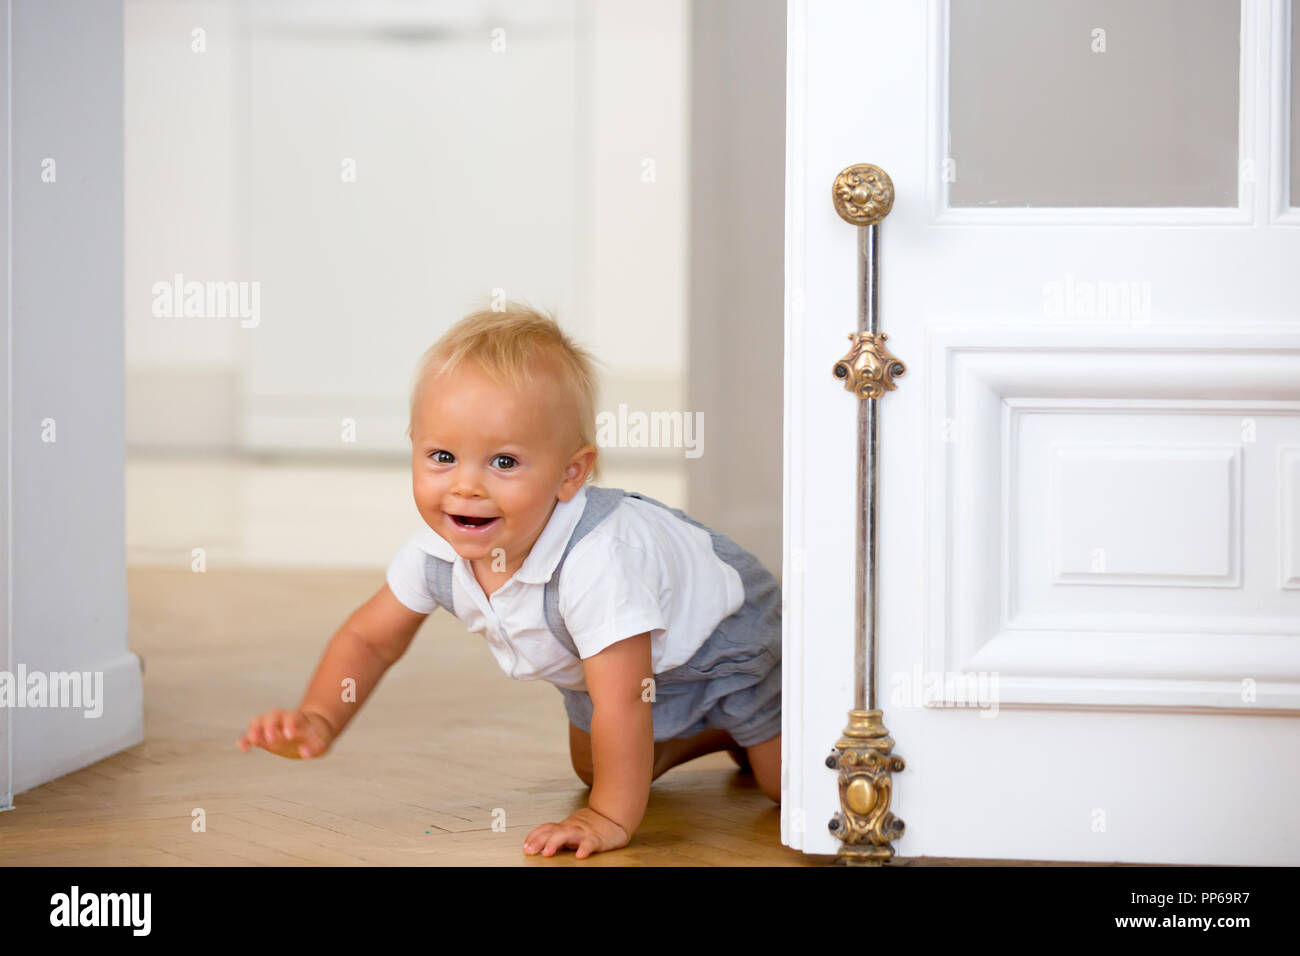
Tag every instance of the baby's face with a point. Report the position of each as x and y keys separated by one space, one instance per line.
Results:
x=489 y=462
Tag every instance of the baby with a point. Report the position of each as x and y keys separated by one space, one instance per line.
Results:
x=663 y=636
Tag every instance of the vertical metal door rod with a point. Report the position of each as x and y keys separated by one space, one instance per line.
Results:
x=863 y=195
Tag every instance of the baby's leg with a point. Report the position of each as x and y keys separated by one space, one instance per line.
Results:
x=678 y=750
x=580 y=753
x=667 y=753
x=766 y=761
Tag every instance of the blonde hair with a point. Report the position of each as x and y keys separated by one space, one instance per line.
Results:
x=507 y=344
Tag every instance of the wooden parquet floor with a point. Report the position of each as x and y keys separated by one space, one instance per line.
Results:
x=449 y=763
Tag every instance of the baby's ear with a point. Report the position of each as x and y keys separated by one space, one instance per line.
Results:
x=578 y=471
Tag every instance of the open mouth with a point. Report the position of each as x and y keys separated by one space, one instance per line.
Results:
x=471 y=522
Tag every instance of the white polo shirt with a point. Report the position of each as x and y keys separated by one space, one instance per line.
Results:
x=641 y=569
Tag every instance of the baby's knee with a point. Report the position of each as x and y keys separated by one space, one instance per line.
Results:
x=580 y=753
x=584 y=773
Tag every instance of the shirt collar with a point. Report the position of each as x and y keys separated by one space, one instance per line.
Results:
x=545 y=554
x=546 y=551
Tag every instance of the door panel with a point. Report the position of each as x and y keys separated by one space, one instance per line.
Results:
x=1088 y=474
x=1109 y=515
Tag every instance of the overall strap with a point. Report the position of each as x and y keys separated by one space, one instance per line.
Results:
x=725 y=548
x=438 y=574
x=600 y=502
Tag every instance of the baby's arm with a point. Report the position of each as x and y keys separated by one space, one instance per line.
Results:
x=622 y=732
x=622 y=754
x=369 y=642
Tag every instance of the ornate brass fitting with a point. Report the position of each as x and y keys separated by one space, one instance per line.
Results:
x=868 y=370
x=863 y=194
x=865 y=825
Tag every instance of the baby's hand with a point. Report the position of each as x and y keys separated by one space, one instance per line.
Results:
x=585 y=829
x=289 y=733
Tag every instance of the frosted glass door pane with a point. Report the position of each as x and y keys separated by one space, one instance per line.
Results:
x=1093 y=103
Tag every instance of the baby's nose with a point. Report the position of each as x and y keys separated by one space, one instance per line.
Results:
x=465 y=483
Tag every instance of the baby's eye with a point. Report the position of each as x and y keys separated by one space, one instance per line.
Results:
x=504 y=462
x=438 y=456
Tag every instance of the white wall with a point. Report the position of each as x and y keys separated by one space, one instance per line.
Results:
x=66 y=574
x=737 y=281
x=182 y=383
x=636 y=102
x=522 y=170
x=6 y=477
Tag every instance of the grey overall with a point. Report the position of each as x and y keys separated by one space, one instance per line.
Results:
x=732 y=682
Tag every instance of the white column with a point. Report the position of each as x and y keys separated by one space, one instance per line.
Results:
x=66 y=573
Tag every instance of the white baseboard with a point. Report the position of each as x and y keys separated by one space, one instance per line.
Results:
x=49 y=742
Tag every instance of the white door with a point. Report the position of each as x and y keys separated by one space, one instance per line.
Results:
x=1089 y=525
